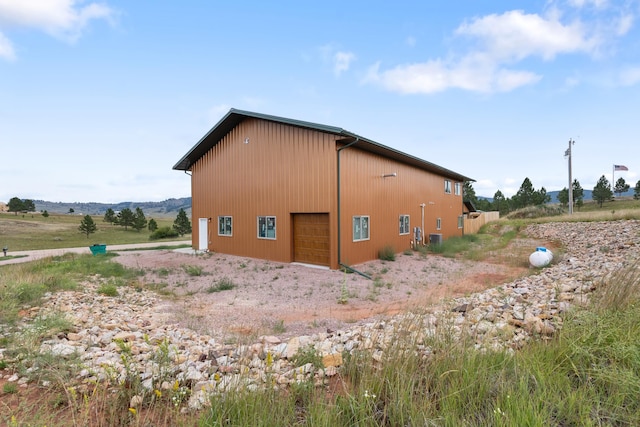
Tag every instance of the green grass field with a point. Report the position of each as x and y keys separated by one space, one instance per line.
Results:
x=32 y=231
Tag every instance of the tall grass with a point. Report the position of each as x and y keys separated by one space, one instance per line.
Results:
x=587 y=375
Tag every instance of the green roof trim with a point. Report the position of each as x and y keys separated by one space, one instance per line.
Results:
x=234 y=117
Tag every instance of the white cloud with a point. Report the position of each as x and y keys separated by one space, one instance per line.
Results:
x=629 y=76
x=473 y=73
x=499 y=41
x=598 y=4
x=624 y=24
x=64 y=19
x=515 y=35
x=6 y=48
x=339 y=60
x=342 y=61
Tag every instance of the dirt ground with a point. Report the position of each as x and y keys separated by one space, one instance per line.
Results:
x=270 y=298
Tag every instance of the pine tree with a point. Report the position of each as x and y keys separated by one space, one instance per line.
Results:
x=602 y=191
x=525 y=195
x=182 y=224
x=153 y=225
x=636 y=191
x=563 y=197
x=126 y=217
x=578 y=194
x=469 y=193
x=87 y=226
x=139 y=220
x=109 y=216
x=621 y=187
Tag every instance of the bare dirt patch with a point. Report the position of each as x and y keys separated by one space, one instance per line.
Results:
x=237 y=298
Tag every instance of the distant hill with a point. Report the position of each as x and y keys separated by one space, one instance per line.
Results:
x=169 y=207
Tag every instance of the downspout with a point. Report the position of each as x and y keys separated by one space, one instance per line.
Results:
x=340 y=218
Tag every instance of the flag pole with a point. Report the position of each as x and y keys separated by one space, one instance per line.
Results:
x=613 y=177
x=568 y=154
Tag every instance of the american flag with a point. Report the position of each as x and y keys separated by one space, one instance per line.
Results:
x=620 y=168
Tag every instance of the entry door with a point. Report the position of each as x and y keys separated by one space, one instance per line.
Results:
x=311 y=238
x=203 y=234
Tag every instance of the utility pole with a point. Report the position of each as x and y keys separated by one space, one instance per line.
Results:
x=567 y=154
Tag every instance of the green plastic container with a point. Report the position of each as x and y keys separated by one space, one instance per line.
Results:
x=98 y=249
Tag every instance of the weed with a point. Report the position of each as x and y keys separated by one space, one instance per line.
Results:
x=224 y=284
x=387 y=253
x=279 y=327
x=193 y=270
x=9 y=388
x=163 y=272
x=307 y=354
x=108 y=289
x=344 y=294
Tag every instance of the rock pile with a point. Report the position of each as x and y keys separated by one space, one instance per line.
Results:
x=112 y=334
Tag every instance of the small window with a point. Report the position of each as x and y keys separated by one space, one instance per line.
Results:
x=461 y=221
x=438 y=223
x=267 y=227
x=360 y=228
x=447 y=186
x=457 y=188
x=225 y=226
x=404 y=224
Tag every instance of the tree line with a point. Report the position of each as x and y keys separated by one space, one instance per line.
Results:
x=527 y=195
x=138 y=221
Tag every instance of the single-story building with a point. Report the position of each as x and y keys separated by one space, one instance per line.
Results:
x=292 y=191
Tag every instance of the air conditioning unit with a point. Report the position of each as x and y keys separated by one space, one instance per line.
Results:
x=435 y=238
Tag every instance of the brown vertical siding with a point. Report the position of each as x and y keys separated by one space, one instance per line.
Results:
x=366 y=192
x=282 y=170
x=286 y=170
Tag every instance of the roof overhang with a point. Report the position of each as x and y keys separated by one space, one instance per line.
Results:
x=235 y=117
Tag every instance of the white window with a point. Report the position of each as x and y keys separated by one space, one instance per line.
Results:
x=461 y=221
x=225 y=226
x=360 y=228
x=457 y=188
x=447 y=186
x=267 y=227
x=438 y=223
x=404 y=224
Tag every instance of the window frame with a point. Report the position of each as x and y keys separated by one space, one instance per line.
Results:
x=360 y=219
x=447 y=186
x=265 y=219
x=457 y=188
x=224 y=219
x=460 y=221
x=403 y=224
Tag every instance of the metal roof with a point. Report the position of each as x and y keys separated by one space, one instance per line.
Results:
x=234 y=117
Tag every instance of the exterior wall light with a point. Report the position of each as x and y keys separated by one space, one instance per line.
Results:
x=389 y=175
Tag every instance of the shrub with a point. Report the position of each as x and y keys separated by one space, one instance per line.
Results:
x=224 y=284
x=164 y=233
x=192 y=270
x=108 y=289
x=307 y=354
x=387 y=253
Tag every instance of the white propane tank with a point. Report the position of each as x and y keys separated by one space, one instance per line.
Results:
x=541 y=257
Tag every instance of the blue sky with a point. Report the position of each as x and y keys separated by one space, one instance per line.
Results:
x=98 y=100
